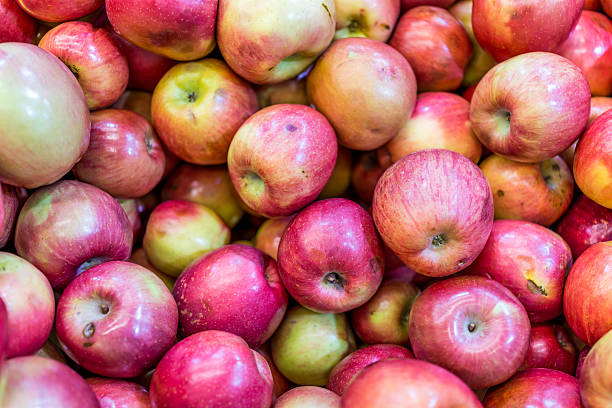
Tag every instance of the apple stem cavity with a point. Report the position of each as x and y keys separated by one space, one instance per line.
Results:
x=253 y=183
x=335 y=280
x=502 y=119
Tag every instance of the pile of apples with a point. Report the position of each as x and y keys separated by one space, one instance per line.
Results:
x=305 y=203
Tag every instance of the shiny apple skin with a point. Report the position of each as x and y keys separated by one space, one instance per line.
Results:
x=408 y=4
x=236 y=376
x=197 y=107
x=595 y=379
x=131 y=208
x=366 y=173
x=80 y=224
x=373 y=19
x=587 y=303
x=407 y=383
x=308 y=397
x=35 y=381
x=94 y=59
x=330 y=257
x=387 y=83
x=550 y=346
x=281 y=158
x=349 y=368
x=119 y=394
x=531 y=261
x=487 y=355
x=511 y=27
x=56 y=11
x=439 y=230
x=281 y=384
x=39 y=152
x=9 y=208
x=593 y=161
x=516 y=112
x=269 y=234
x=4 y=328
x=17 y=26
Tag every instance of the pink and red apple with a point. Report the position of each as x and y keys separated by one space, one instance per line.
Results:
x=10 y=202
x=595 y=379
x=119 y=394
x=17 y=26
x=56 y=11
x=550 y=346
x=373 y=19
x=308 y=397
x=408 y=4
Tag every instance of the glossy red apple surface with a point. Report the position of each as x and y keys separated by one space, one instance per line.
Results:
x=595 y=380
x=55 y=11
x=119 y=394
x=10 y=202
x=308 y=397
x=550 y=346
x=17 y=26
x=407 y=4
x=373 y=19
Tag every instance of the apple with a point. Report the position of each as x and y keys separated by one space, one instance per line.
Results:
x=308 y=345
x=581 y=357
x=308 y=397
x=510 y=123
x=440 y=120
x=182 y=30
x=130 y=206
x=535 y=192
x=595 y=384
x=592 y=5
x=291 y=91
x=281 y=384
x=17 y=26
x=116 y=319
x=9 y=208
x=507 y=28
x=281 y=158
x=179 y=231
x=373 y=19
x=550 y=346
x=606 y=5
x=384 y=318
x=439 y=229
x=119 y=394
x=408 y=4
x=207 y=185
x=269 y=234
x=586 y=300
x=215 y=368
x=593 y=161
x=56 y=11
x=436 y=45
x=468 y=94
x=531 y=261
x=330 y=257
x=136 y=101
x=93 y=57
x=38 y=85
x=472 y=326
x=282 y=38
x=599 y=105
x=365 y=175
x=347 y=370
x=4 y=329
x=140 y=257
x=368 y=115
x=407 y=383
x=50 y=350
x=340 y=179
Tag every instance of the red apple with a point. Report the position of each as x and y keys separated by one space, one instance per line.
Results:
x=80 y=225
x=282 y=38
x=592 y=5
x=17 y=26
x=308 y=397
x=369 y=115
x=131 y=208
x=365 y=175
x=434 y=209
x=182 y=30
x=119 y=394
x=581 y=357
x=408 y=4
x=330 y=257
x=606 y=5
x=408 y=383
x=595 y=379
x=587 y=300
x=281 y=158
x=373 y=19
x=281 y=384
x=136 y=101
x=340 y=179
x=116 y=319
x=550 y=346
x=38 y=85
x=9 y=207
x=468 y=94
x=506 y=28
x=215 y=368
x=536 y=387
x=56 y=11
x=4 y=328
x=269 y=234
x=94 y=59
x=537 y=117
x=347 y=370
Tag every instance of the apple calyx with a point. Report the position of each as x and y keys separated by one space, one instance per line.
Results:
x=439 y=240
x=471 y=327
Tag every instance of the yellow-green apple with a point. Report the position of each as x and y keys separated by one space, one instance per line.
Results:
x=365 y=116
x=35 y=84
x=508 y=122
x=269 y=234
x=408 y=4
x=308 y=345
x=124 y=158
x=17 y=26
x=118 y=393
x=593 y=161
x=584 y=224
x=56 y=11
x=281 y=384
x=373 y=19
x=434 y=209
x=407 y=383
x=93 y=57
x=587 y=300
x=340 y=179
x=550 y=346
x=214 y=368
x=116 y=319
x=365 y=175
x=535 y=192
x=472 y=326
x=595 y=379
x=271 y=41
x=180 y=231
x=290 y=91
x=308 y=397
x=10 y=202
x=506 y=28
x=35 y=381
x=384 y=318
x=481 y=60
x=347 y=370
x=207 y=185
x=140 y=257
x=531 y=261
x=29 y=302
x=592 y=5
x=197 y=107
x=536 y=387
x=440 y=120
x=136 y=101
x=236 y=289
x=80 y=225
x=436 y=45
x=182 y=30
x=281 y=158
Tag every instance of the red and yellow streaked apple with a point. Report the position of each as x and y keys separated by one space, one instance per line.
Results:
x=373 y=19
x=56 y=11
x=308 y=397
x=550 y=346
